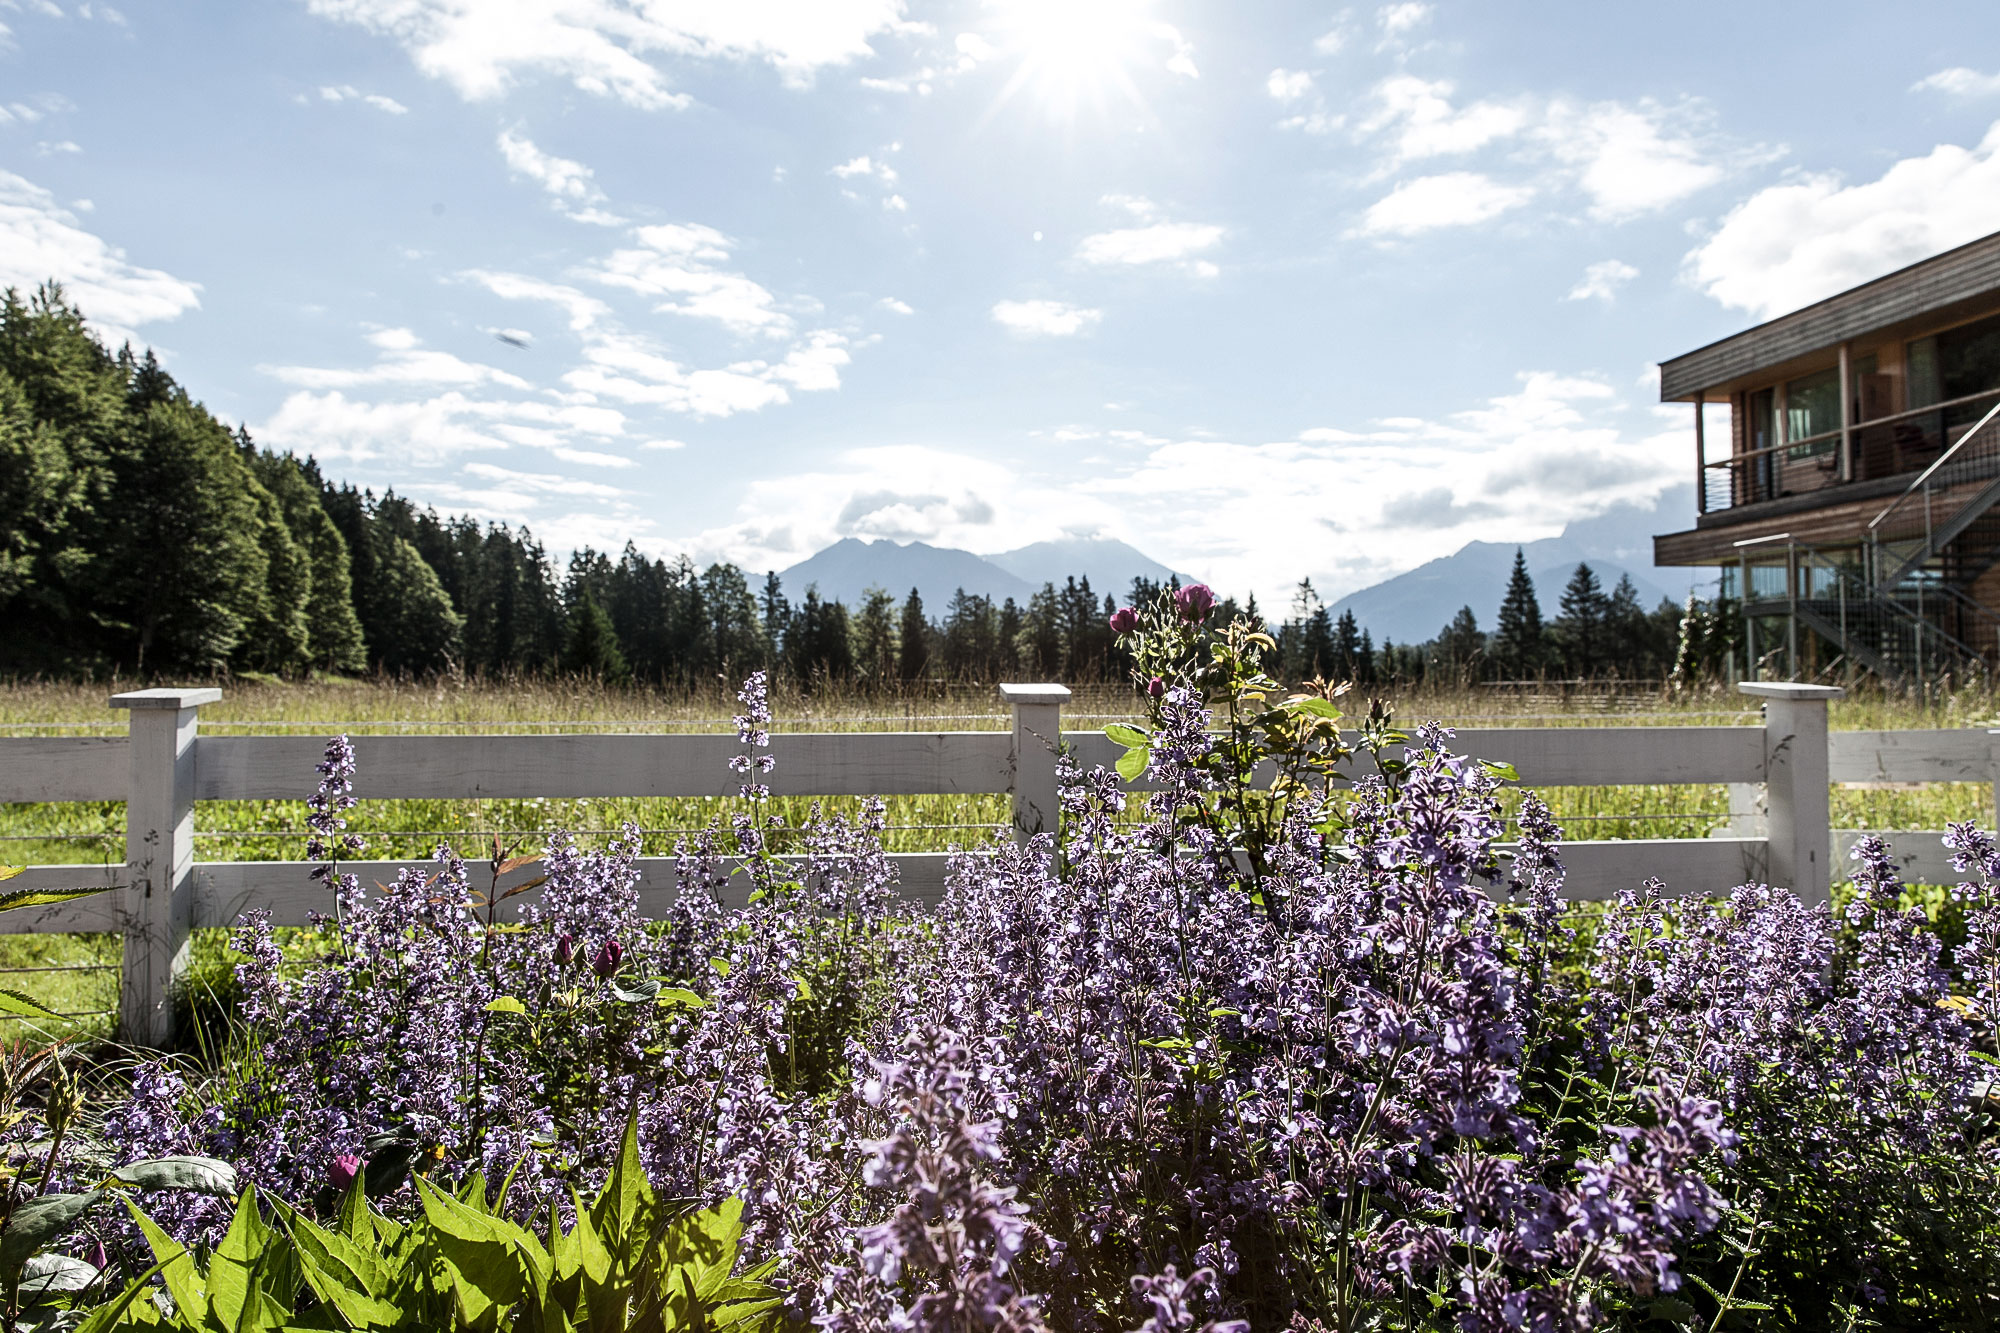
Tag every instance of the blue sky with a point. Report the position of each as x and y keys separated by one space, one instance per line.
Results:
x=1267 y=290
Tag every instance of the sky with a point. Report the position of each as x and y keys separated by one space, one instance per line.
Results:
x=1268 y=290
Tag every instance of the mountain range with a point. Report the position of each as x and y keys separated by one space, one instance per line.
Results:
x=1411 y=607
x=846 y=570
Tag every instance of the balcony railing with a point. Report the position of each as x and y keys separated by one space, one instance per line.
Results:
x=1891 y=446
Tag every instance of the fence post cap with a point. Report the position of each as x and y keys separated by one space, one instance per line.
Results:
x=191 y=697
x=1786 y=689
x=1034 y=694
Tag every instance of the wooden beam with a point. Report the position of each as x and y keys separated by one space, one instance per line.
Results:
x=1846 y=416
x=1700 y=455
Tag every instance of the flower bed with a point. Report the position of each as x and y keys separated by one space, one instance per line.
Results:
x=1292 y=1055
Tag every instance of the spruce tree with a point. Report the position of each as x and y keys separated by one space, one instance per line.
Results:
x=875 y=635
x=592 y=648
x=913 y=640
x=1519 y=642
x=412 y=627
x=1580 y=630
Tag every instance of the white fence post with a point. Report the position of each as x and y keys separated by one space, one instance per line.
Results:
x=1032 y=755
x=159 y=857
x=1800 y=814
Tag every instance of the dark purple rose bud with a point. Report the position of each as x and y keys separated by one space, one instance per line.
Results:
x=1124 y=620
x=1155 y=688
x=341 y=1174
x=565 y=948
x=608 y=958
x=95 y=1255
x=1195 y=601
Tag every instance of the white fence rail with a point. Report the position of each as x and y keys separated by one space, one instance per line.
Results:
x=160 y=894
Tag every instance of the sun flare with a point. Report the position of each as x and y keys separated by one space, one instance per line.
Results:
x=1076 y=51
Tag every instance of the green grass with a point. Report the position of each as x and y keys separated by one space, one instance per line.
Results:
x=273 y=830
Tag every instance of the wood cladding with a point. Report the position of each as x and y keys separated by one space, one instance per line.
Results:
x=1924 y=288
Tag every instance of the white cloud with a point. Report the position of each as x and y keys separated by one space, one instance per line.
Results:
x=571 y=186
x=1602 y=281
x=482 y=47
x=425 y=431
x=584 y=311
x=349 y=93
x=1288 y=85
x=1160 y=243
x=1453 y=199
x=1789 y=245
x=1959 y=82
x=895 y=307
x=1419 y=120
x=40 y=241
x=1045 y=319
x=547 y=483
x=1331 y=42
x=678 y=261
x=402 y=361
x=1525 y=463
x=1401 y=19
x=1630 y=160
x=866 y=166
x=663 y=444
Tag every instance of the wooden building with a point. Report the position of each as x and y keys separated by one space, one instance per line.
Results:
x=1852 y=506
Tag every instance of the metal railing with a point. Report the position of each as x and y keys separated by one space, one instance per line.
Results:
x=1884 y=446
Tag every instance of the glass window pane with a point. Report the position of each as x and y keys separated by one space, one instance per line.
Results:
x=1812 y=407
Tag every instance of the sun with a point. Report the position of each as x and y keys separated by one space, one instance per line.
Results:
x=1073 y=52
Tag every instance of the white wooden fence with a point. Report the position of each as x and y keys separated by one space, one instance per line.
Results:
x=164 y=766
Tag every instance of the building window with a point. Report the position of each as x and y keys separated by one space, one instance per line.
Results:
x=1812 y=407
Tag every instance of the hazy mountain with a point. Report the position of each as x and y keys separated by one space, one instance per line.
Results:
x=1109 y=565
x=1414 y=606
x=849 y=567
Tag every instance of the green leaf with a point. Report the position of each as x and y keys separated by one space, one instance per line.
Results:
x=111 y=1315
x=721 y=966
x=204 y=1175
x=1672 y=1309
x=506 y=1004
x=639 y=992
x=13 y=1002
x=681 y=998
x=41 y=897
x=175 y=1268
x=1127 y=736
x=1318 y=707
x=1133 y=762
x=805 y=987
x=8 y=872
x=39 y=1221
x=46 y=1275
x=1501 y=769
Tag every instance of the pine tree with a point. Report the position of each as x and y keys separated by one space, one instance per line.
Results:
x=875 y=635
x=1346 y=662
x=913 y=640
x=412 y=626
x=777 y=612
x=334 y=641
x=592 y=649
x=1519 y=642
x=1580 y=631
x=1461 y=645
x=1039 y=646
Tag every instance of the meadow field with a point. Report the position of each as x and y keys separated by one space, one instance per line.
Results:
x=76 y=974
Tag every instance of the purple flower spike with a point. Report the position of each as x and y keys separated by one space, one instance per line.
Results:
x=1195 y=601
x=1124 y=620
x=608 y=958
x=341 y=1174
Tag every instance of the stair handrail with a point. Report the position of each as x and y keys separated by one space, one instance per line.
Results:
x=1881 y=598
x=1923 y=478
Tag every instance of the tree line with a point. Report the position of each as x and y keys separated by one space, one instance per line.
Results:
x=141 y=534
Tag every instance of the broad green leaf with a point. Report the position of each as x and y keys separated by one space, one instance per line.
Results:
x=41 y=897
x=46 y=1275
x=1126 y=736
x=506 y=1004
x=1133 y=762
x=1318 y=707
x=204 y=1175
x=805 y=987
x=175 y=1268
x=721 y=966
x=639 y=992
x=486 y=1274
x=114 y=1314
x=39 y=1221
x=681 y=997
x=1501 y=769
x=8 y=872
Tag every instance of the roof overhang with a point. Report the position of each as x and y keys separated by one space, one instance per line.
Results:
x=1928 y=288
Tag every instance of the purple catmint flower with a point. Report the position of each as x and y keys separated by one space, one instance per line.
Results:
x=753 y=730
x=1195 y=601
x=608 y=959
x=340 y=1175
x=1124 y=620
